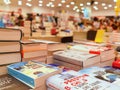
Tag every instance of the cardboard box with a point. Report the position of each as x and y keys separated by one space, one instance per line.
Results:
x=32 y=73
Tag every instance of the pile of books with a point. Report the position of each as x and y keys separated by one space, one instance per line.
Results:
x=10 y=47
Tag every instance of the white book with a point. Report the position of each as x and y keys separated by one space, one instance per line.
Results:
x=76 y=57
x=10 y=34
x=51 y=45
x=105 y=53
x=72 y=80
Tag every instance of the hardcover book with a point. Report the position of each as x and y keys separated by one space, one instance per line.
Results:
x=8 y=58
x=51 y=45
x=10 y=34
x=10 y=47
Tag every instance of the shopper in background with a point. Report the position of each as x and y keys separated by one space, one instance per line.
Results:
x=12 y=18
x=20 y=20
x=115 y=28
x=96 y=23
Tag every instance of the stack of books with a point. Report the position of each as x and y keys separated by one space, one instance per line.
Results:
x=34 y=51
x=107 y=55
x=75 y=59
x=10 y=47
x=51 y=48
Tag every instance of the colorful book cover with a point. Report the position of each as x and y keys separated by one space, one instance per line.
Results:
x=33 y=69
x=107 y=74
x=72 y=80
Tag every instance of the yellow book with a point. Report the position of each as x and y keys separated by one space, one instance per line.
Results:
x=99 y=36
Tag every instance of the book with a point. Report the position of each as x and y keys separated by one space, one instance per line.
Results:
x=72 y=80
x=8 y=58
x=32 y=46
x=91 y=43
x=104 y=52
x=10 y=47
x=32 y=54
x=76 y=57
x=99 y=36
x=51 y=45
x=107 y=74
x=31 y=73
x=10 y=34
x=42 y=59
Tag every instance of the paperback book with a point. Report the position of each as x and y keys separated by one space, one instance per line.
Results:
x=72 y=80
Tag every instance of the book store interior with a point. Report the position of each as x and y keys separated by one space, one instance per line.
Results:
x=59 y=44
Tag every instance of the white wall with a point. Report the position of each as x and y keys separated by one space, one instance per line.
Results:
x=15 y=8
x=103 y=13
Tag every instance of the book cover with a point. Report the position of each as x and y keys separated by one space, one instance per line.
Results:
x=33 y=69
x=107 y=74
x=72 y=80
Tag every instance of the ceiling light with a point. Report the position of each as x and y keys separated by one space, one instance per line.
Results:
x=88 y=3
x=59 y=4
x=52 y=0
x=29 y=0
x=63 y=1
x=82 y=11
x=52 y=5
x=72 y=3
x=67 y=5
x=28 y=4
x=115 y=7
x=19 y=2
x=7 y=1
x=103 y=4
x=48 y=5
x=81 y=4
x=95 y=7
x=40 y=1
x=109 y=5
x=82 y=8
x=77 y=10
x=95 y=2
x=40 y=5
x=105 y=7
x=115 y=0
x=75 y=6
